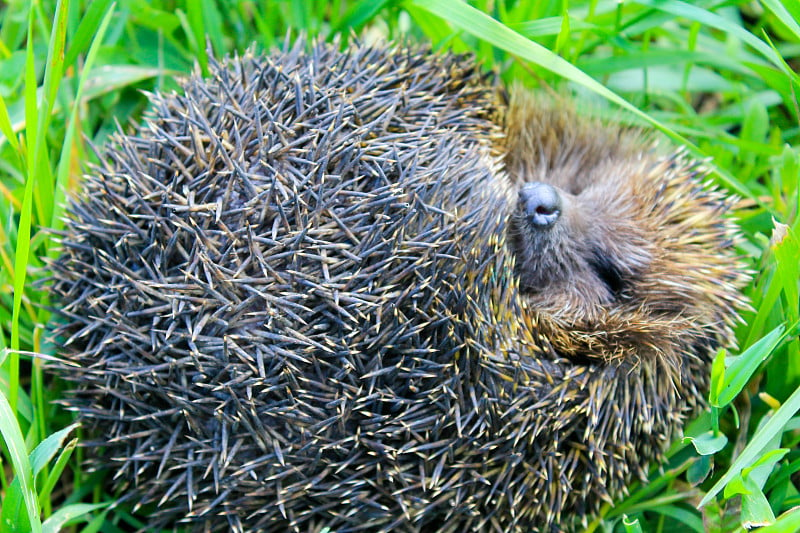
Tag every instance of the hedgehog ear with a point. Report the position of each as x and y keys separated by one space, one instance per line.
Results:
x=608 y=270
x=619 y=262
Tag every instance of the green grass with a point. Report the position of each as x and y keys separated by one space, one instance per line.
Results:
x=717 y=76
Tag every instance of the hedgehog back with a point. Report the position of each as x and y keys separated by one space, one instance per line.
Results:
x=263 y=290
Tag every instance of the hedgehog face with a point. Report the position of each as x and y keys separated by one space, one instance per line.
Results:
x=577 y=253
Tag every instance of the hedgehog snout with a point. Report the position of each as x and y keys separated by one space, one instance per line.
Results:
x=540 y=203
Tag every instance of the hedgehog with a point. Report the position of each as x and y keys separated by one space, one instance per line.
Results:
x=353 y=289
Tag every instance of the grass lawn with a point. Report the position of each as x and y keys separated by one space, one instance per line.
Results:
x=719 y=76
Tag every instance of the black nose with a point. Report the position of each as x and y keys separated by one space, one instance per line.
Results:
x=541 y=203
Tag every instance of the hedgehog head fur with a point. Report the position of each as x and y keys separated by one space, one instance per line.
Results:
x=308 y=292
x=631 y=242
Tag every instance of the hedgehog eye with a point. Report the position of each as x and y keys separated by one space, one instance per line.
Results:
x=607 y=270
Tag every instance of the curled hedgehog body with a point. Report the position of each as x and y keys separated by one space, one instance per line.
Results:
x=332 y=289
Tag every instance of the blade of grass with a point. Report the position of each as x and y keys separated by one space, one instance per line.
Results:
x=24 y=228
x=46 y=489
x=789 y=522
x=43 y=454
x=756 y=444
x=196 y=32
x=359 y=14
x=5 y=126
x=713 y=20
x=690 y=519
x=53 y=74
x=86 y=29
x=790 y=20
x=739 y=372
x=12 y=436
x=37 y=119
x=65 y=160
x=46 y=449
x=631 y=525
x=793 y=78
x=67 y=513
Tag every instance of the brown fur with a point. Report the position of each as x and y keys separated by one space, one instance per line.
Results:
x=629 y=209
